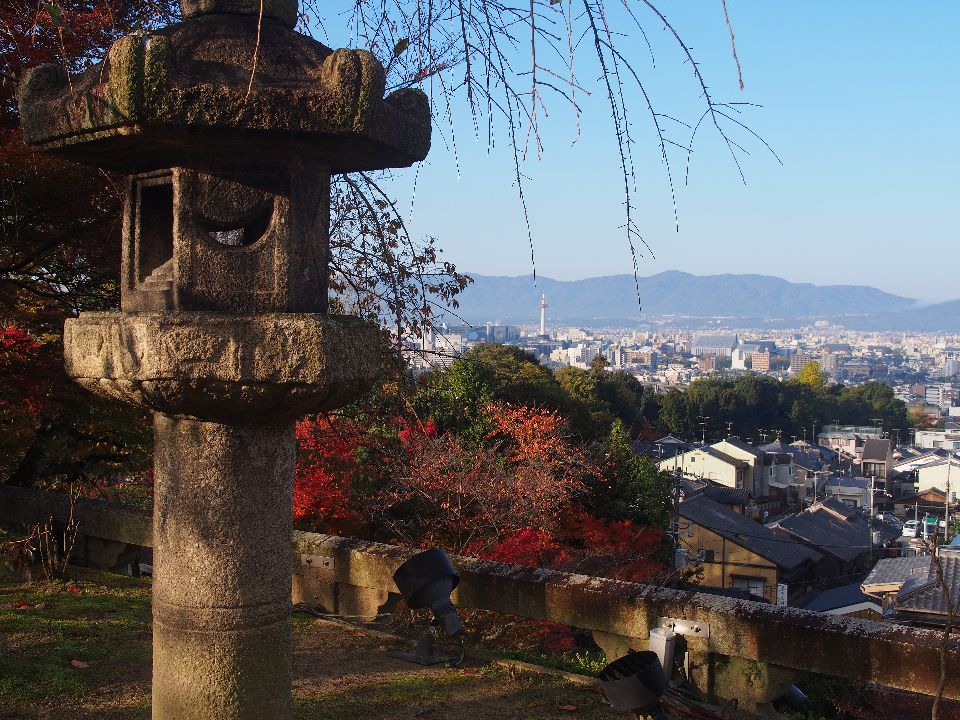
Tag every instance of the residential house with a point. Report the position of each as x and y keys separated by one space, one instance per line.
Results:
x=778 y=470
x=906 y=469
x=792 y=482
x=852 y=491
x=664 y=447
x=889 y=574
x=836 y=531
x=847 y=600
x=736 y=499
x=933 y=439
x=847 y=439
x=926 y=502
x=910 y=588
x=706 y=463
x=736 y=552
x=943 y=475
x=876 y=460
x=737 y=448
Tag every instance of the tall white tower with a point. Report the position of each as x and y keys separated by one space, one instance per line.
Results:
x=543 y=314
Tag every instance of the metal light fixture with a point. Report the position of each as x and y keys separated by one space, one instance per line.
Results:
x=635 y=683
x=426 y=581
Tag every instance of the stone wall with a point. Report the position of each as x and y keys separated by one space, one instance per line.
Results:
x=752 y=650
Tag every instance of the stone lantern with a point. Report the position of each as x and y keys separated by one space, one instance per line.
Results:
x=229 y=126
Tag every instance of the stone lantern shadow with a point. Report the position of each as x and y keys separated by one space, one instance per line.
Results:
x=229 y=126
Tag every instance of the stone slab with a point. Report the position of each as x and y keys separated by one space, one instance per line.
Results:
x=182 y=97
x=225 y=368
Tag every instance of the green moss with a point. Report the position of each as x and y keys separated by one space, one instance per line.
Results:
x=364 y=99
x=155 y=62
x=126 y=76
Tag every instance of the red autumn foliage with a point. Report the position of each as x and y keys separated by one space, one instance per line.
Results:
x=325 y=464
x=512 y=500
x=22 y=385
x=412 y=432
x=621 y=550
x=440 y=492
x=533 y=548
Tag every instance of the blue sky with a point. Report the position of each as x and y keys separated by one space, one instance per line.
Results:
x=860 y=101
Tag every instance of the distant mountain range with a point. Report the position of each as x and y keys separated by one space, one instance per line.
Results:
x=744 y=300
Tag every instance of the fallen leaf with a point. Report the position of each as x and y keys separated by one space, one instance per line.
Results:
x=569 y=708
x=73 y=589
x=79 y=664
x=19 y=605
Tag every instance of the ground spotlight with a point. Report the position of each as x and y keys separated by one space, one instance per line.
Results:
x=635 y=683
x=426 y=581
x=795 y=698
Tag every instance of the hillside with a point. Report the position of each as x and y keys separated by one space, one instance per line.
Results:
x=517 y=299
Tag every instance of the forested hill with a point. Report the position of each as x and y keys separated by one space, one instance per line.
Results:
x=517 y=299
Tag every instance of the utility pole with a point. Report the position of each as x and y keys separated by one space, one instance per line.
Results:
x=946 y=503
x=675 y=523
x=870 y=523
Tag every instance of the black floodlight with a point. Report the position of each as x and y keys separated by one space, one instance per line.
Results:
x=426 y=581
x=635 y=683
x=795 y=698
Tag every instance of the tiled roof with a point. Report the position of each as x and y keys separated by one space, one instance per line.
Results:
x=741 y=445
x=778 y=446
x=728 y=495
x=845 y=539
x=875 y=450
x=923 y=594
x=892 y=571
x=839 y=597
x=745 y=532
x=849 y=482
x=837 y=507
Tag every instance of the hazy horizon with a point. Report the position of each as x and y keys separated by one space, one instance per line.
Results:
x=919 y=300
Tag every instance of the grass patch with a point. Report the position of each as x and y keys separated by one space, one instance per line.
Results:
x=581 y=662
x=371 y=699
x=100 y=620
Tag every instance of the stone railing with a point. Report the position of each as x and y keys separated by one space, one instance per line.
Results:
x=746 y=650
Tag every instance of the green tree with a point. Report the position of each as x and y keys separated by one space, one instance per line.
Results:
x=674 y=413
x=631 y=487
x=872 y=401
x=456 y=397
